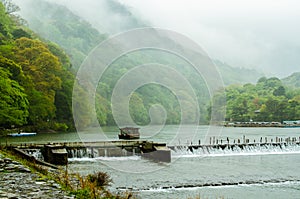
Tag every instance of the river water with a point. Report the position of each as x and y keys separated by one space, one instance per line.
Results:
x=259 y=172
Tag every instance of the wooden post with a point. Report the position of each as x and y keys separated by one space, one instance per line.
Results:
x=92 y=152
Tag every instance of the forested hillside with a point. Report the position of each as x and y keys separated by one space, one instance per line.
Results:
x=233 y=75
x=37 y=77
x=38 y=72
x=267 y=100
x=36 y=84
x=152 y=94
x=58 y=24
x=293 y=80
x=46 y=22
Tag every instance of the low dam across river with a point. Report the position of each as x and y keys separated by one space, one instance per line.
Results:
x=58 y=153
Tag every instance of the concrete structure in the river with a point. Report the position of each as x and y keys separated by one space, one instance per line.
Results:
x=55 y=154
x=58 y=153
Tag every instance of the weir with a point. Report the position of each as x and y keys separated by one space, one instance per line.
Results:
x=237 y=148
x=58 y=153
x=240 y=146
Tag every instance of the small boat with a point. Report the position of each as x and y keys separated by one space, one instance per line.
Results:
x=129 y=133
x=21 y=134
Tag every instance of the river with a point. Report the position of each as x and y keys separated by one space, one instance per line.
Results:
x=253 y=173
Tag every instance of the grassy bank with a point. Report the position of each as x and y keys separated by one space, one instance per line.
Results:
x=93 y=186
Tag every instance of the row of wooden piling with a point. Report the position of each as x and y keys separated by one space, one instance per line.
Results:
x=216 y=141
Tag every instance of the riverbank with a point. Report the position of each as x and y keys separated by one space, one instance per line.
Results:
x=22 y=179
x=285 y=124
x=18 y=181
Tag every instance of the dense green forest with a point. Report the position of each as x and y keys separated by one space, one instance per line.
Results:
x=268 y=100
x=36 y=84
x=44 y=79
x=46 y=23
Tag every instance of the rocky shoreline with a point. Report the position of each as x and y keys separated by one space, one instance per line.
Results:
x=18 y=182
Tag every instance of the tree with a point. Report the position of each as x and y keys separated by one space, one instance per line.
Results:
x=137 y=110
x=15 y=69
x=272 y=83
x=13 y=101
x=261 y=80
x=5 y=24
x=83 y=114
x=63 y=98
x=10 y=7
x=268 y=100
x=11 y=10
x=280 y=91
x=42 y=70
x=102 y=109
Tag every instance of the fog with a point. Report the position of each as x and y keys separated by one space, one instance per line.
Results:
x=259 y=34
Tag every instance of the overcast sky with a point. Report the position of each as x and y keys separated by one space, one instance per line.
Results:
x=260 y=34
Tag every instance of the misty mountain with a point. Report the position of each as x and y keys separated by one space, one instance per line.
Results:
x=293 y=80
x=77 y=36
x=234 y=75
x=58 y=24
x=121 y=16
x=109 y=16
